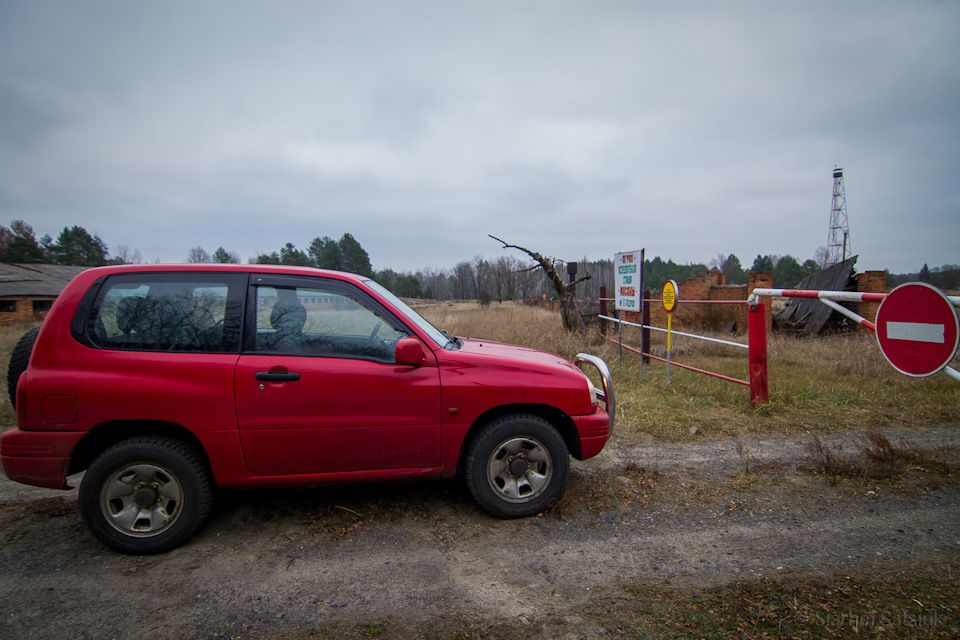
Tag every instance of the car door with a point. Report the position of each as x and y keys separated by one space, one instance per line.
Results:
x=317 y=387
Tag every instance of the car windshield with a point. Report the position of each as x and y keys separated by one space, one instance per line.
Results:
x=435 y=334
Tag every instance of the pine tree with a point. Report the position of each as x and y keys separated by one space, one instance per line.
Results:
x=326 y=253
x=75 y=246
x=787 y=273
x=353 y=258
x=289 y=254
x=267 y=258
x=762 y=263
x=222 y=256
x=19 y=244
x=733 y=270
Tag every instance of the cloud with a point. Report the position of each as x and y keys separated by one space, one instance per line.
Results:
x=576 y=128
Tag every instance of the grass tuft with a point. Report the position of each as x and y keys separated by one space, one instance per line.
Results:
x=919 y=602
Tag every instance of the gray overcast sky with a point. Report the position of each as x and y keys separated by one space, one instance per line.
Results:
x=574 y=128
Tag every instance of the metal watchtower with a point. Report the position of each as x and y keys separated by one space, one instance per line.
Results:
x=838 y=239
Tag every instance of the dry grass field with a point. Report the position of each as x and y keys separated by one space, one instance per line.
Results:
x=8 y=340
x=821 y=384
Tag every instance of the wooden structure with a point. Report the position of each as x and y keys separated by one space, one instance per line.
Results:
x=27 y=291
x=809 y=317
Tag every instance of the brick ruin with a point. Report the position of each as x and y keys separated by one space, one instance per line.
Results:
x=711 y=286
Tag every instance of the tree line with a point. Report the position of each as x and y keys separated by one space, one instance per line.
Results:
x=787 y=271
x=946 y=277
x=344 y=254
x=74 y=246
x=504 y=278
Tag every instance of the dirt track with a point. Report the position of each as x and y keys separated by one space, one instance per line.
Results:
x=279 y=563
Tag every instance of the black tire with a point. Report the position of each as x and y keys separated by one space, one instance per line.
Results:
x=517 y=466
x=148 y=494
x=19 y=360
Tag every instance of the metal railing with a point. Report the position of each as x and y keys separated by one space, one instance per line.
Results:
x=756 y=346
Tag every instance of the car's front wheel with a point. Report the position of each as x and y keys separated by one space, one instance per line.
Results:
x=517 y=466
x=145 y=495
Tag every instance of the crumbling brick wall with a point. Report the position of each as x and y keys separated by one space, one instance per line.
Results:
x=23 y=310
x=762 y=280
x=870 y=282
x=710 y=286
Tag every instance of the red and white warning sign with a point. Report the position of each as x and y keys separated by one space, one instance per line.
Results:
x=918 y=329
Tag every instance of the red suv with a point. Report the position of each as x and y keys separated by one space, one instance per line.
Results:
x=164 y=382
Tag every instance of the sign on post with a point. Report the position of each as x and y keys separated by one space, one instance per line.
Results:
x=670 y=298
x=917 y=329
x=671 y=294
x=628 y=280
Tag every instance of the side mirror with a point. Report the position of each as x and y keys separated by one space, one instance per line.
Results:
x=410 y=352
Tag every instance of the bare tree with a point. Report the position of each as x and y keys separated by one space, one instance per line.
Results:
x=569 y=309
x=462 y=281
x=505 y=277
x=125 y=256
x=822 y=257
x=198 y=255
x=529 y=281
x=482 y=278
x=718 y=262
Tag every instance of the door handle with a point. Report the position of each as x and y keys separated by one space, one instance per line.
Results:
x=276 y=376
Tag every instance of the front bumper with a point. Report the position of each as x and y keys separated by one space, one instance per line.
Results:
x=594 y=431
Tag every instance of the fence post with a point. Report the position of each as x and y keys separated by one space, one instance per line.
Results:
x=757 y=339
x=645 y=332
x=603 y=311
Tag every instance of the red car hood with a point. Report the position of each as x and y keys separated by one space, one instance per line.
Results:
x=491 y=349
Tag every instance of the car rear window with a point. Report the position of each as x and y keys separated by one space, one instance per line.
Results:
x=168 y=312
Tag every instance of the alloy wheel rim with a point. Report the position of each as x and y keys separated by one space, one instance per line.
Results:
x=142 y=500
x=519 y=469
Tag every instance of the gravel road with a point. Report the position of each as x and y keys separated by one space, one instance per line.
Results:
x=278 y=563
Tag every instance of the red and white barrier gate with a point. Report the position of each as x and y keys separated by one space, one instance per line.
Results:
x=917 y=327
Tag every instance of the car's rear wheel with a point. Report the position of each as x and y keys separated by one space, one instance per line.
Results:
x=146 y=495
x=19 y=359
x=517 y=466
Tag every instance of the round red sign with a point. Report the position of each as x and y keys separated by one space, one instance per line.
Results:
x=917 y=329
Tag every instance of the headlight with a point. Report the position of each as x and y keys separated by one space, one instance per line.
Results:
x=593 y=391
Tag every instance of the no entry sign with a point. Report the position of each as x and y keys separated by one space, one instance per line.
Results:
x=917 y=329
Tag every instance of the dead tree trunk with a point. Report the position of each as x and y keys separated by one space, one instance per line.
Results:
x=569 y=309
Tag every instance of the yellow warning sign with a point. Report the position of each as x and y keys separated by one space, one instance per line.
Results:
x=671 y=295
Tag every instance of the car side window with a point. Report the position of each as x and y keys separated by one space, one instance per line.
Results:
x=319 y=321
x=166 y=314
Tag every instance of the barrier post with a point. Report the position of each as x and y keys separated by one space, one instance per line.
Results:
x=669 y=334
x=603 y=311
x=670 y=296
x=645 y=331
x=757 y=338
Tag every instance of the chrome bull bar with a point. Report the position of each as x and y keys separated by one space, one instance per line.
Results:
x=606 y=380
